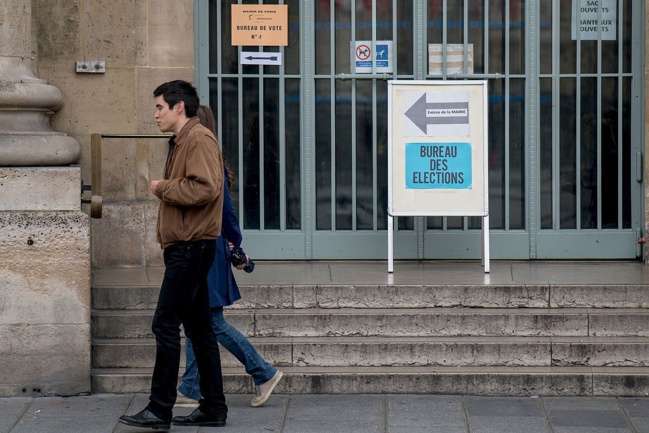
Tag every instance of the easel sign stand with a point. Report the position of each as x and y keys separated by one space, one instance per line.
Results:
x=437 y=153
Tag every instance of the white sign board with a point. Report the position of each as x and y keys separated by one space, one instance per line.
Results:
x=590 y=17
x=437 y=148
x=436 y=113
x=260 y=58
x=437 y=152
x=366 y=54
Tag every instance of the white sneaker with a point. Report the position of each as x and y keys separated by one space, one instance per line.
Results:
x=264 y=390
x=183 y=401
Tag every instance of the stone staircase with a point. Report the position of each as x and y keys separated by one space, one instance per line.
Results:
x=517 y=339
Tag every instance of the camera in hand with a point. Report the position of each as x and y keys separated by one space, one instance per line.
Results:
x=238 y=257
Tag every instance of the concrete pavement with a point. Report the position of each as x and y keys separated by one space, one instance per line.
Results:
x=327 y=413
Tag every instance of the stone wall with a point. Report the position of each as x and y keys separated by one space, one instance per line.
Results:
x=144 y=43
x=45 y=242
x=45 y=320
x=44 y=283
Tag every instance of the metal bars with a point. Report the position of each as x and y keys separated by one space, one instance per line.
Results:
x=352 y=161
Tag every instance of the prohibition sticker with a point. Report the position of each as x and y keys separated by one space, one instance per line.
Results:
x=363 y=52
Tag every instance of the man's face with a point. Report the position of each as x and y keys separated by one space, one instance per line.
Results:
x=166 y=118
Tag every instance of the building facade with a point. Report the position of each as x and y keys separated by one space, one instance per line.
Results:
x=308 y=136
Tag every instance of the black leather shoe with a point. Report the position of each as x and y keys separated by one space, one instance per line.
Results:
x=145 y=419
x=198 y=418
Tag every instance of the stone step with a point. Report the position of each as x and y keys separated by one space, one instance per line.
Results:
x=504 y=381
x=406 y=351
x=399 y=296
x=571 y=322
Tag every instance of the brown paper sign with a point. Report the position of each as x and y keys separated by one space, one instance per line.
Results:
x=260 y=25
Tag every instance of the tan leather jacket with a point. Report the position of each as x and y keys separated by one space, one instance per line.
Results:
x=191 y=196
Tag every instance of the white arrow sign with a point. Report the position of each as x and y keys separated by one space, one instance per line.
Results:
x=260 y=58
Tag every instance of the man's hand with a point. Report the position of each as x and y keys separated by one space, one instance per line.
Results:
x=154 y=184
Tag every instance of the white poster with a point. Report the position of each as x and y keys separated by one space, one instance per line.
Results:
x=590 y=17
x=260 y=58
x=436 y=114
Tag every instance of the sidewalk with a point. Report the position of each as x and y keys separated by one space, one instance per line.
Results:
x=326 y=413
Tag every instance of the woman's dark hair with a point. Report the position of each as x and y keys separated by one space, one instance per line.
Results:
x=206 y=117
x=178 y=90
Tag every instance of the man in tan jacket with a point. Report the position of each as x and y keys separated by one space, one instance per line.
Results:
x=189 y=221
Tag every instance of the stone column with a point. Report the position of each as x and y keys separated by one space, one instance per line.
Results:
x=26 y=102
x=45 y=239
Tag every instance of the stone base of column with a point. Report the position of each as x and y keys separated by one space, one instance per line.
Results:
x=26 y=104
x=44 y=283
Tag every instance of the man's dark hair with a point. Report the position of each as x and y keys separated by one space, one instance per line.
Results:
x=178 y=90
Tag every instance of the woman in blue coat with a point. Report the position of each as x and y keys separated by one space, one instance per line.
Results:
x=223 y=292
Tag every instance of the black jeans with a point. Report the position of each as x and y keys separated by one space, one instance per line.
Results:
x=184 y=298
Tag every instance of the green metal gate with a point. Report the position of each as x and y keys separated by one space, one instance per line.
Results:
x=308 y=138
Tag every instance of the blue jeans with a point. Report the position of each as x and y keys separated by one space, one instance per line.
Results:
x=238 y=345
x=183 y=299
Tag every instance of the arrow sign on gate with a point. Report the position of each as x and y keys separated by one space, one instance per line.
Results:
x=423 y=113
x=271 y=58
x=260 y=58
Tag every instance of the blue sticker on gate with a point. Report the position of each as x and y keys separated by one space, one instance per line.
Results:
x=382 y=55
x=438 y=166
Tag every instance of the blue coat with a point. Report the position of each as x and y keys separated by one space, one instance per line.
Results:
x=220 y=280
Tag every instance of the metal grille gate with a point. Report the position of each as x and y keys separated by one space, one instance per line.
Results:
x=308 y=139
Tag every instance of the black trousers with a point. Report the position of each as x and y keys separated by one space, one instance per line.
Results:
x=184 y=298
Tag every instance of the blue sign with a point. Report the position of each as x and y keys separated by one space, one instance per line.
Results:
x=382 y=52
x=438 y=166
